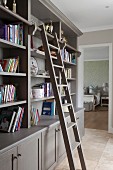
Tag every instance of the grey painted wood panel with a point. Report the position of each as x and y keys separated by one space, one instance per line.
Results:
x=6 y=160
x=49 y=149
x=61 y=153
x=28 y=152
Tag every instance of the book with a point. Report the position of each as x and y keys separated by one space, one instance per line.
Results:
x=11 y=123
x=20 y=119
x=48 y=108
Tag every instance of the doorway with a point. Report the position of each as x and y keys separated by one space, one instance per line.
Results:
x=81 y=78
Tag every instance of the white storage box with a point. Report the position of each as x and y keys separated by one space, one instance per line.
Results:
x=37 y=93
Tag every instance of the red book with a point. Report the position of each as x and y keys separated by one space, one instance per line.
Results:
x=38 y=115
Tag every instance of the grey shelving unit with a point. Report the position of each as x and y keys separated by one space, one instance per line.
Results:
x=48 y=131
x=9 y=49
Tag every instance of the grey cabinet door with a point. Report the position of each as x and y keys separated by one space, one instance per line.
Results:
x=49 y=149
x=61 y=152
x=28 y=155
x=80 y=122
x=8 y=161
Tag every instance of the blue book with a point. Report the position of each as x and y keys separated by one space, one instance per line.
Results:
x=48 y=108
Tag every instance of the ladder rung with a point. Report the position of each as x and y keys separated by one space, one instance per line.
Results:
x=62 y=85
x=74 y=145
x=70 y=125
x=67 y=104
x=52 y=46
x=57 y=66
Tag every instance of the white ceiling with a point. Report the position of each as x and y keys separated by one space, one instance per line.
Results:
x=88 y=15
x=96 y=53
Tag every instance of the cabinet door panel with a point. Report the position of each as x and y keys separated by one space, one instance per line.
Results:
x=61 y=146
x=6 y=160
x=80 y=122
x=49 y=149
x=28 y=159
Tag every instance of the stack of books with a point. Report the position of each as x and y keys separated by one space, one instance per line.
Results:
x=68 y=72
x=69 y=57
x=47 y=89
x=12 y=32
x=11 y=120
x=8 y=93
x=34 y=116
x=10 y=65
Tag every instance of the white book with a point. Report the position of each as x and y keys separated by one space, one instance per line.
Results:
x=12 y=120
x=16 y=118
x=5 y=93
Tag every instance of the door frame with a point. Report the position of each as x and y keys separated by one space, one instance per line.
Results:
x=80 y=82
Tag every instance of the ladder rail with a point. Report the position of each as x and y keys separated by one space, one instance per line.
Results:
x=58 y=100
x=56 y=89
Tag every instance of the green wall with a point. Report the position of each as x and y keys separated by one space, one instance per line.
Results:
x=96 y=73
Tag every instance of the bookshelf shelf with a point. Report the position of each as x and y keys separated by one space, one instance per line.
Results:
x=41 y=54
x=42 y=99
x=11 y=16
x=8 y=44
x=41 y=76
x=72 y=49
x=37 y=53
x=72 y=94
x=71 y=79
x=69 y=63
x=8 y=104
x=12 y=74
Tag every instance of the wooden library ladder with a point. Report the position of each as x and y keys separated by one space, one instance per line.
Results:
x=54 y=66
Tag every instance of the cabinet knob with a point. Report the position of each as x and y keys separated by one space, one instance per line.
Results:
x=77 y=118
x=19 y=155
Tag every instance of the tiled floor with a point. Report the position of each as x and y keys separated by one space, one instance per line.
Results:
x=98 y=151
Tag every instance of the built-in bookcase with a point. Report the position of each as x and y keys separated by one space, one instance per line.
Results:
x=41 y=12
x=9 y=50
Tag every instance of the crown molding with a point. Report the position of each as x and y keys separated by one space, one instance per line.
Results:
x=92 y=29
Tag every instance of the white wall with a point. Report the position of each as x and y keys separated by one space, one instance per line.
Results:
x=101 y=37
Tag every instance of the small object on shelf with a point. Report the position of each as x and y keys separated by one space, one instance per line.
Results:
x=5 y=3
x=62 y=37
x=37 y=92
x=43 y=72
x=14 y=6
x=34 y=66
x=49 y=27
